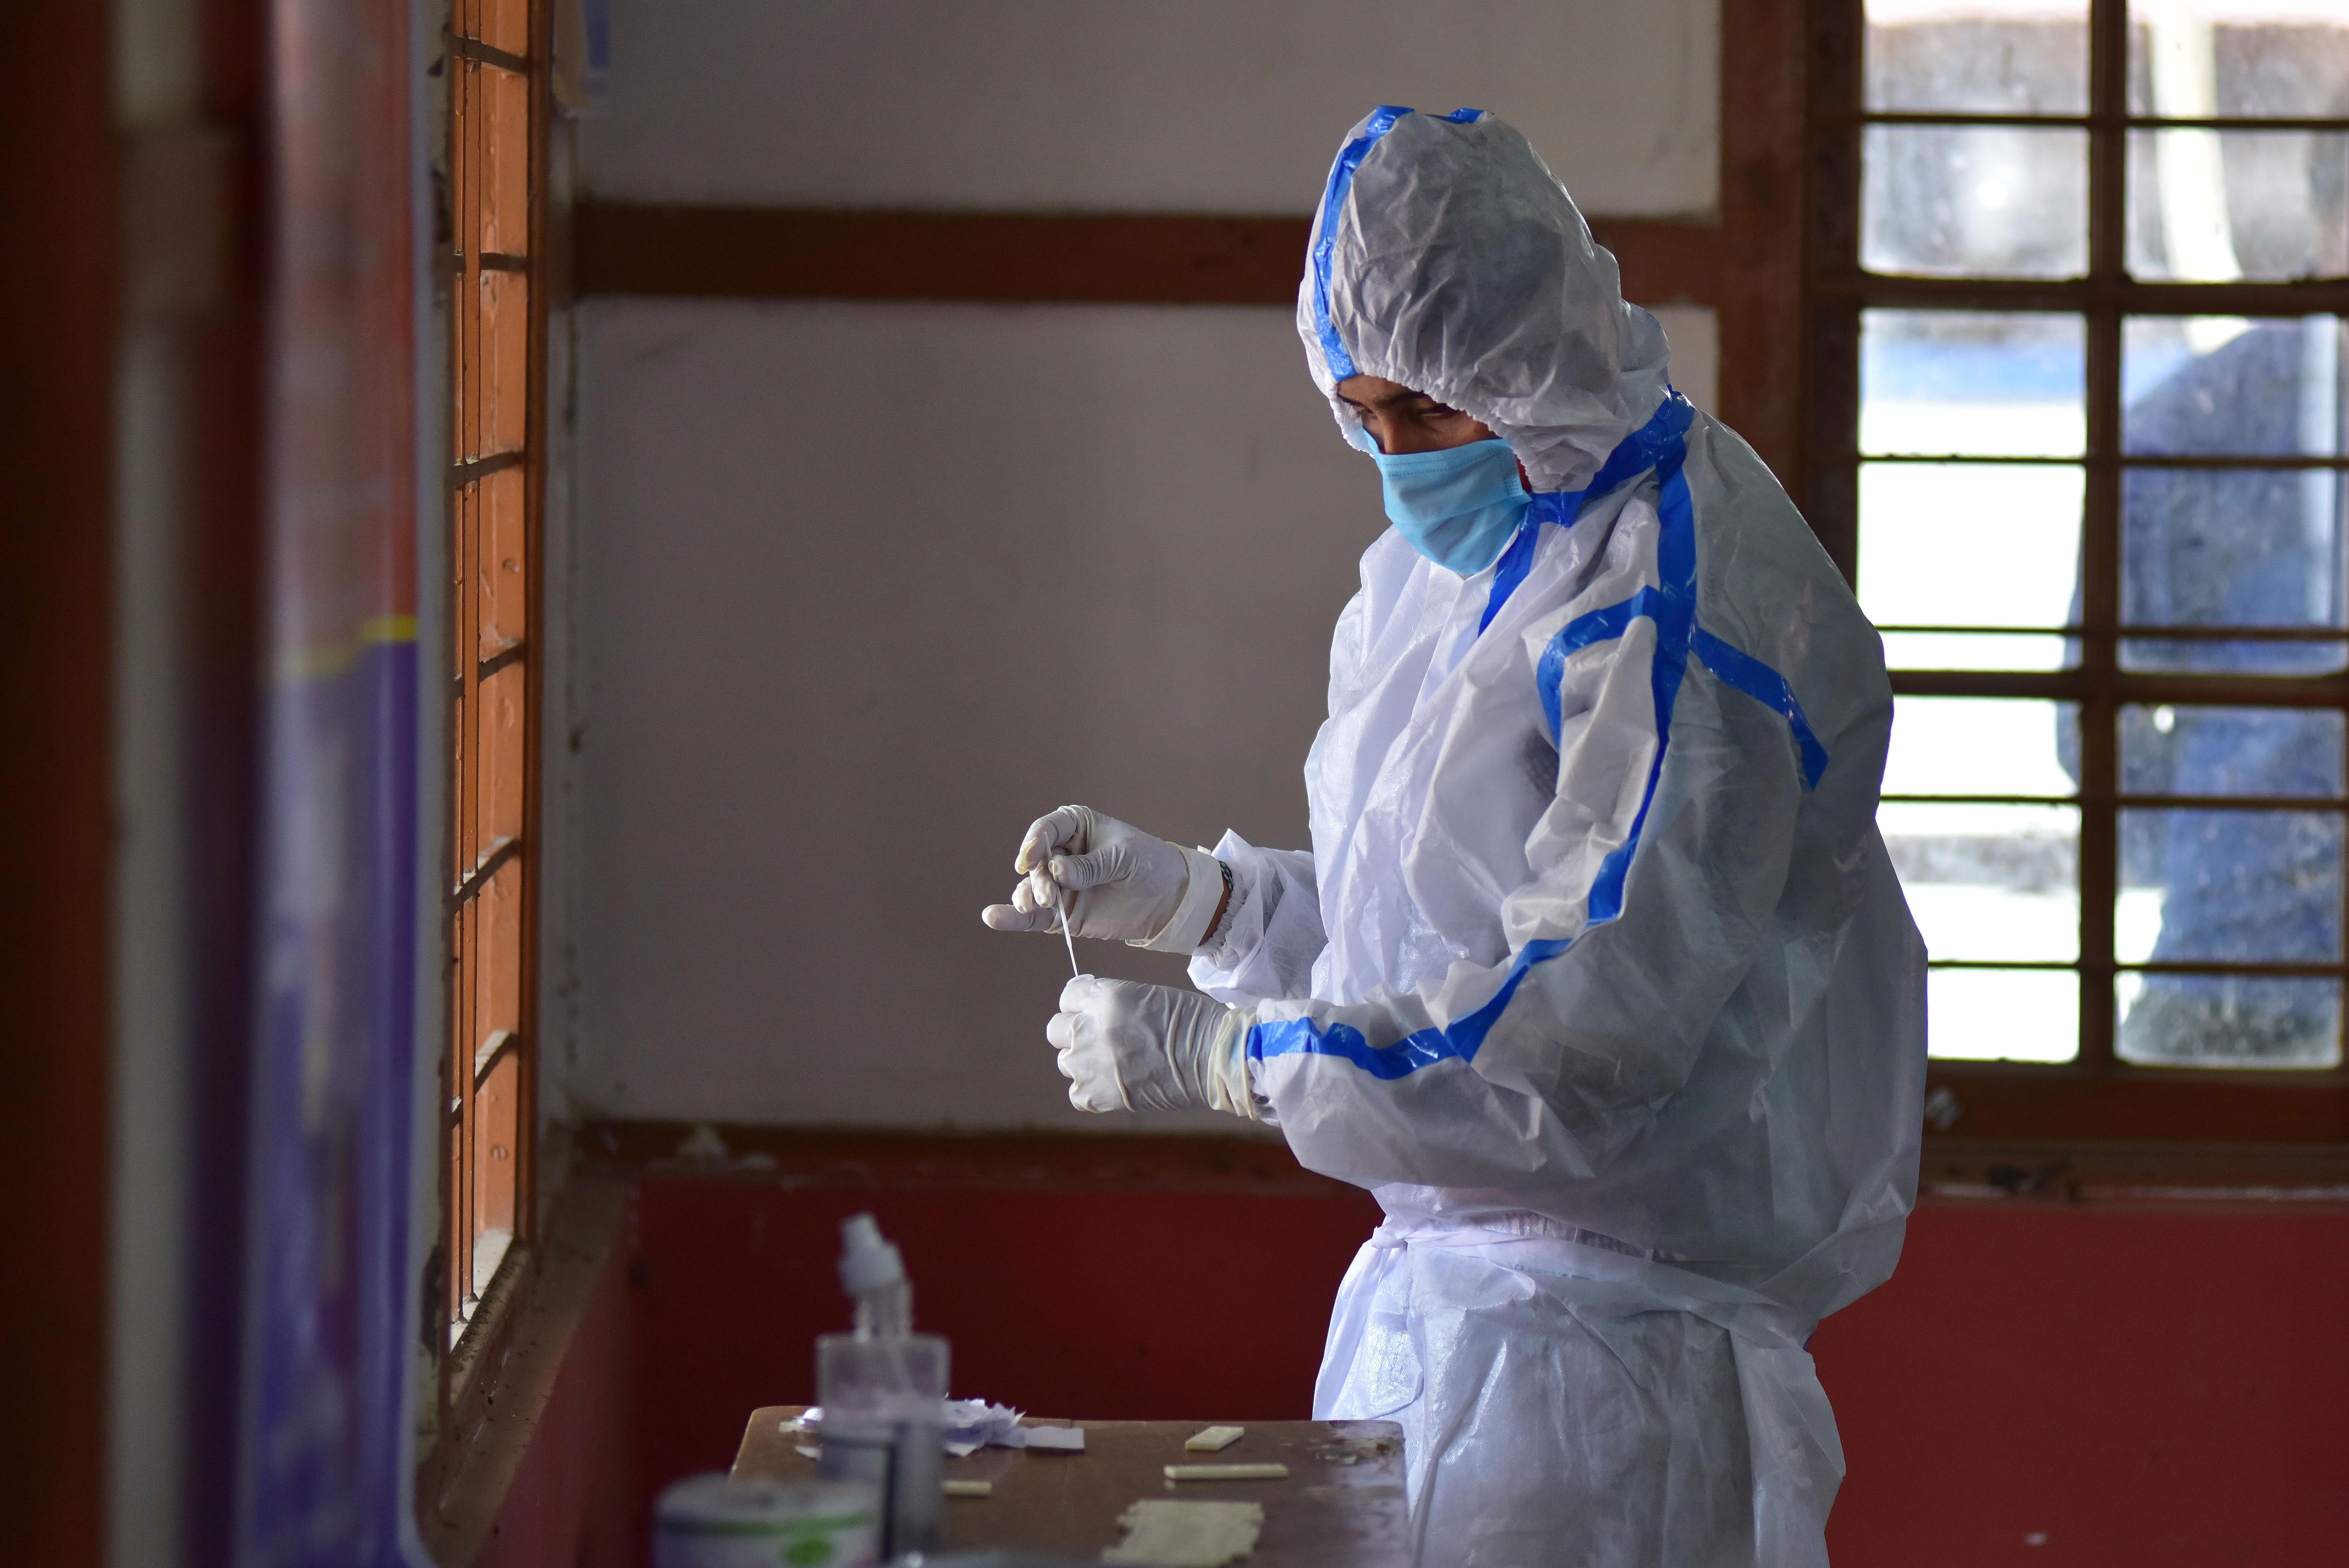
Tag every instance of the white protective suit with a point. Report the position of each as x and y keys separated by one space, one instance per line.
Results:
x=1596 y=975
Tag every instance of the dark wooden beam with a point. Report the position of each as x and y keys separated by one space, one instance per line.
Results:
x=58 y=186
x=1759 y=295
x=2238 y=1177
x=1098 y=258
x=1665 y=261
x=1048 y=1161
x=2008 y=1100
x=2200 y=1166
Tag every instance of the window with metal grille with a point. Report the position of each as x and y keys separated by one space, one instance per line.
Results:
x=495 y=94
x=2075 y=422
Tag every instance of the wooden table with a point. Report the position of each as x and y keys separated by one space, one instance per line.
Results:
x=1342 y=1504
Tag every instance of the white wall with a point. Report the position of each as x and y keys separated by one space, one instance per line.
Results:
x=855 y=591
x=1214 y=106
x=865 y=589
x=861 y=590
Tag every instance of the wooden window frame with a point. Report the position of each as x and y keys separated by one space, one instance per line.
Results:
x=491 y=48
x=2097 y=1096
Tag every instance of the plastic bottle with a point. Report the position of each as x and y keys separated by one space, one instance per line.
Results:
x=884 y=1390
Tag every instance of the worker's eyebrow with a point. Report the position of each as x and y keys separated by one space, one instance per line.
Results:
x=1400 y=395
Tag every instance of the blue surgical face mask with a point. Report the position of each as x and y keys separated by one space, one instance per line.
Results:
x=1457 y=506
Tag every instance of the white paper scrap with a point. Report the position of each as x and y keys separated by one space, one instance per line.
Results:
x=1213 y=1440
x=971 y=1425
x=1058 y=1440
x=1179 y=1534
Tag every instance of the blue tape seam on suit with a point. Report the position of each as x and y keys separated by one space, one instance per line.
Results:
x=1334 y=202
x=1671 y=606
x=1636 y=454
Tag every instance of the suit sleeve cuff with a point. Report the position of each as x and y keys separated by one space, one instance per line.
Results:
x=1201 y=894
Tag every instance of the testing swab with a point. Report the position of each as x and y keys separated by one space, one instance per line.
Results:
x=1068 y=936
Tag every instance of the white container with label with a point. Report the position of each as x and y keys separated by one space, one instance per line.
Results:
x=714 y=1522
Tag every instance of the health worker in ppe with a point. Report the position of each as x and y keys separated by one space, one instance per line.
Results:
x=1597 y=973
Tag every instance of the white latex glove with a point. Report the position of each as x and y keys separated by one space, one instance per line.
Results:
x=1130 y=887
x=1127 y=1046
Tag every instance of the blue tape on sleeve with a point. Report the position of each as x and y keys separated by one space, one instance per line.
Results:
x=1767 y=686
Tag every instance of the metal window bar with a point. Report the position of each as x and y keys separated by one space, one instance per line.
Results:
x=2122 y=459
x=2147 y=631
x=2020 y=122
x=2139 y=802
x=2067 y=296
x=2082 y=684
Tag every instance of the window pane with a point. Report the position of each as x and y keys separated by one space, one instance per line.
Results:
x=1971 y=383
x=2246 y=657
x=2235 y=887
x=2226 y=386
x=1985 y=882
x=1989 y=882
x=2212 y=206
x=2003 y=1014
x=1978 y=650
x=2239 y=57
x=1996 y=202
x=2231 y=751
x=1982 y=59
x=1979 y=544
x=2232 y=547
x=1981 y=745
x=2227 y=1021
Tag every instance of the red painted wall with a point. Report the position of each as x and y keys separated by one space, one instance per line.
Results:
x=2141 y=1389
x=1072 y=1303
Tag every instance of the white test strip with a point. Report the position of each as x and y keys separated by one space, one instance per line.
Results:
x=1213 y=1440
x=1227 y=1472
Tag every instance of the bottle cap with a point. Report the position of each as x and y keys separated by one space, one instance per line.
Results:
x=867 y=1263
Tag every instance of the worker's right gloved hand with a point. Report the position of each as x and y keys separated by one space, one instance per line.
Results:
x=1127 y=1046
x=1131 y=885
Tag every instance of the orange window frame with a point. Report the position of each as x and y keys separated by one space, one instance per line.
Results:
x=498 y=104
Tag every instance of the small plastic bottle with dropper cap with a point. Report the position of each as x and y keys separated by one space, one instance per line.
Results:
x=884 y=1388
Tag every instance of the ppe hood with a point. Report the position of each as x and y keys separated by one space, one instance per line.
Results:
x=1447 y=256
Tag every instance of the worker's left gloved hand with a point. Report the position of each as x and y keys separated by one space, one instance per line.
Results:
x=1129 y=885
x=1129 y=1046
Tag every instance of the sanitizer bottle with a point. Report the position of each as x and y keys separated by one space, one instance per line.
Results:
x=884 y=1390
